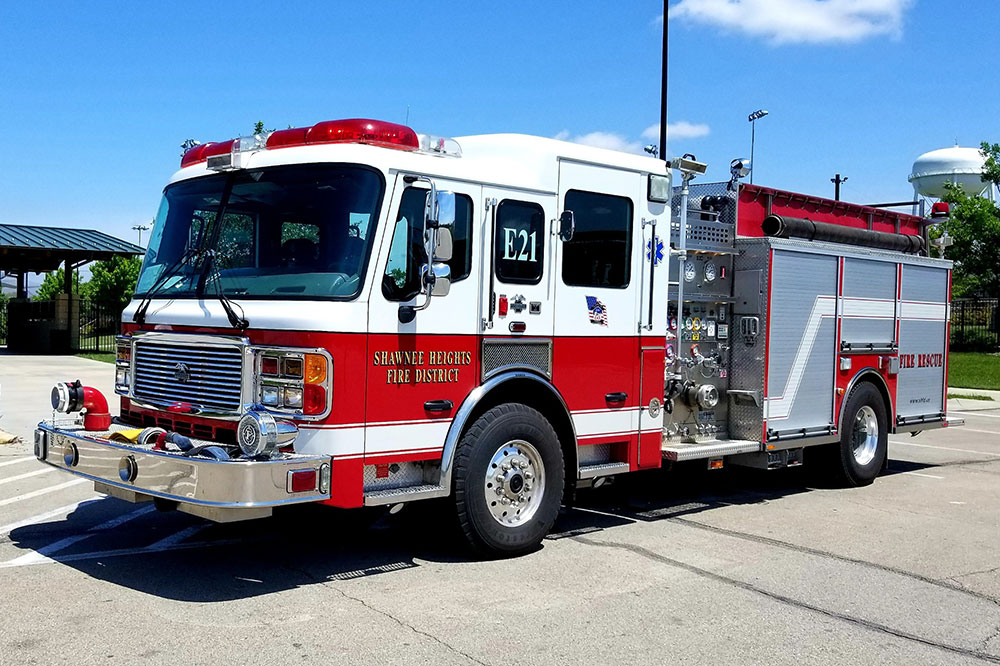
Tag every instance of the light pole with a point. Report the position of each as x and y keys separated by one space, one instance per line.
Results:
x=837 y=181
x=140 y=228
x=752 y=119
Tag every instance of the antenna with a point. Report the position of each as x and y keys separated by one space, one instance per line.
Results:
x=407 y=121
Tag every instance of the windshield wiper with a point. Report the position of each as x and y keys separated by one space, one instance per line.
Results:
x=236 y=321
x=139 y=316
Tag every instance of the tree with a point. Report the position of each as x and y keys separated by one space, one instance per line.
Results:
x=112 y=281
x=991 y=165
x=974 y=225
x=55 y=283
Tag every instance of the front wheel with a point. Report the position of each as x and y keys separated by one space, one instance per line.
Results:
x=864 y=441
x=508 y=480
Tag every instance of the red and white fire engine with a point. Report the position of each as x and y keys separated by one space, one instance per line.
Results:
x=358 y=315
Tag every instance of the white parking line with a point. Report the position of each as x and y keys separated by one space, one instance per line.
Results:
x=17 y=461
x=175 y=538
x=944 y=448
x=986 y=416
x=43 y=491
x=27 y=475
x=101 y=554
x=42 y=554
x=985 y=432
x=69 y=508
x=926 y=476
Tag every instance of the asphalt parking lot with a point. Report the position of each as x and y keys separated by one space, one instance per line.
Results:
x=730 y=567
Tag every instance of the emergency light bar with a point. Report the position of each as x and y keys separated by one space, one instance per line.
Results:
x=227 y=154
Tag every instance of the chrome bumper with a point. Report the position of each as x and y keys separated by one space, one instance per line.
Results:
x=216 y=489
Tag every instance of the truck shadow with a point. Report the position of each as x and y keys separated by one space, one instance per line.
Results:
x=183 y=558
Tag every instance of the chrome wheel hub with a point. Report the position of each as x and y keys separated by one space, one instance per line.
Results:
x=865 y=440
x=514 y=483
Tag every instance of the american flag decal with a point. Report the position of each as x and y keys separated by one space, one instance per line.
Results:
x=598 y=313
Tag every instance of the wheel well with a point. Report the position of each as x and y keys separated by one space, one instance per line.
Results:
x=870 y=376
x=542 y=397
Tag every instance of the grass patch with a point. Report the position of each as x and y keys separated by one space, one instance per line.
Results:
x=105 y=357
x=970 y=396
x=974 y=370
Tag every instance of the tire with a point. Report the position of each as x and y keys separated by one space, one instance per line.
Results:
x=505 y=512
x=864 y=439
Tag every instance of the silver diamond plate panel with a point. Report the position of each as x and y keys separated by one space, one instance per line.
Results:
x=407 y=474
x=594 y=454
x=501 y=354
x=746 y=421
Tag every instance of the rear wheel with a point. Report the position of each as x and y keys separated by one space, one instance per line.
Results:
x=864 y=440
x=508 y=480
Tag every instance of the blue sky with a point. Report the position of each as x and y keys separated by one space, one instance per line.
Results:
x=95 y=98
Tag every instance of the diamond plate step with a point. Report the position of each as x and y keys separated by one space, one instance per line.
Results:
x=602 y=469
x=679 y=451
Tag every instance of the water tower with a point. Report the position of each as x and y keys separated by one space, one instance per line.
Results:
x=957 y=165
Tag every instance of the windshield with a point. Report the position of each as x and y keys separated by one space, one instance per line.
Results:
x=286 y=232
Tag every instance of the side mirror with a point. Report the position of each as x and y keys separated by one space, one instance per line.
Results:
x=437 y=279
x=567 y=225
x=439 y=221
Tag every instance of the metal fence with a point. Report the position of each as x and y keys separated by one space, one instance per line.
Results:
x=98 y=327
x=975 y=324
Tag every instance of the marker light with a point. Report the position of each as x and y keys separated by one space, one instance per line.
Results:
x=302 y=480
x=315 y=369
x=940 y=209
x=314 y=400
x=292 y=366
x=269 y=365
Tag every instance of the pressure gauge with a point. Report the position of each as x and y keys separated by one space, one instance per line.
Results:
x=689 y=271
x=709 y=272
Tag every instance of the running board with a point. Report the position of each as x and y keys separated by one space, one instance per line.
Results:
x=680 y=451
x=603 y=469
x=408 y=494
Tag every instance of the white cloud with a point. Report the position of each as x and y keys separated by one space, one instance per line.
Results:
x=798 y=21
x=609 y=140
x=682 y=129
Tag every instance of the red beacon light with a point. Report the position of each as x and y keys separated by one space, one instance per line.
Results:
x=350 y=130
x=940 y=210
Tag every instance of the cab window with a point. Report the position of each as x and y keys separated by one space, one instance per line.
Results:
x=401 y=280
x=520 y=242
x=600 y=252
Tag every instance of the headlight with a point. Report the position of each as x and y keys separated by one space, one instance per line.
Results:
x=269 y=396
x=293 y=397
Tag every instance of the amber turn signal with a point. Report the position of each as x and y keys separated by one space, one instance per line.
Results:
x=315 y=369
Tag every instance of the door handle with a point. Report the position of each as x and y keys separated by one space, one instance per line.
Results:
x=620 y=396
x=438 y=405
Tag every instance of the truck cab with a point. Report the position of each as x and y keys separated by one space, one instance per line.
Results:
x=353 y=313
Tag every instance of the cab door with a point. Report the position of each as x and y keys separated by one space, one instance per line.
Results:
x=598 y=286
x=420 y=369
x=517 y=292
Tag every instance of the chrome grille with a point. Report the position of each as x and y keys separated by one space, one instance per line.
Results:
x=208 y=376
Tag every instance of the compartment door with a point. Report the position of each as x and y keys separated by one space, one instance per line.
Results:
x=801 y=341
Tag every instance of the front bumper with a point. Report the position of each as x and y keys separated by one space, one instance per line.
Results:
x=221 y=490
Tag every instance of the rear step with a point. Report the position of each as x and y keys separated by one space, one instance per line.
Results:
x=715 y=448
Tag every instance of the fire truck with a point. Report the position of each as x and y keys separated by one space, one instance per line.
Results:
x=358 y=315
